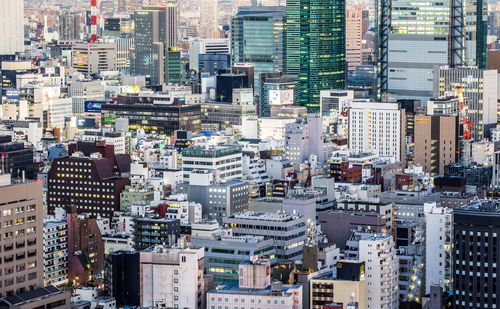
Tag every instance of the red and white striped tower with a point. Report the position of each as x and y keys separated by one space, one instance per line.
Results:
x=93 y=21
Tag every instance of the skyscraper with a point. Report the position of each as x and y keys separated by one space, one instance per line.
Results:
x=418 y=38
x=209 y=18
x=258 y=37
x=476 y=31
x=12 y=27
x=315 y=47
x=155 y=32
x=354 y=38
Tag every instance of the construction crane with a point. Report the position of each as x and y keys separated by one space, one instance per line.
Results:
x=93 y=22
x=466 y=129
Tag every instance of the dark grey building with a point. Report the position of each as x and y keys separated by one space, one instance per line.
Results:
x=122 y=277
x=258 y=37
x=218 y=200
x=476 y=245
x=338 y=225
x=155 y=32
x=155 y=231
x=214 y=63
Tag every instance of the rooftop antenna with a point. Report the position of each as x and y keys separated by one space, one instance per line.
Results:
x=93 y=22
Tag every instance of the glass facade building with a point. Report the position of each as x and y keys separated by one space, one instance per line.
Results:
x=315 y=47
x=155 y=33
x=258 y=37
x=419 y=40
x=214 y=63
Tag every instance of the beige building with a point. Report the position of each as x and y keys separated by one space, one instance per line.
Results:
x=435 y=142
x=172 y=277
x=94 y=58
x=21 y=238
x=209 y=13
x=354 y=38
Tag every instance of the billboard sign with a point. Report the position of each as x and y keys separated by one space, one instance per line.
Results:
x=85 y=123
x=93 y=106
x=281 y=97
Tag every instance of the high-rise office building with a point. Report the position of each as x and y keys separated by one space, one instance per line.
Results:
x=416 y=45
x=315 y=47
x=354 y=38
x=258 y=37
x=479 y=87
x=475 y=264
x=85 y=90
x=419 y=39
x=155 y=32
x=12 y=27
x=476 y=32
x=69 y=27
x=209 y=19
x=22 y=236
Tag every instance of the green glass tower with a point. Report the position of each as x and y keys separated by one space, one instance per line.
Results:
x=315 y=47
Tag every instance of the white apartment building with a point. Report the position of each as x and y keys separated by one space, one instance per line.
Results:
x=303 y=139
x=439 y=223
x=223 y=161
x=171 y=277
x=381 y=271
x=12 y=27
x=376 y=127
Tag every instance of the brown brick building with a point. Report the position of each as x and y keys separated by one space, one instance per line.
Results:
x=92 y=178
x=85 y=248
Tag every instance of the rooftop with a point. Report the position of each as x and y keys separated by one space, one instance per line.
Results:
x=483 y=206
x=378 y=236
x=30 y=296
x=228 y=288
x=265 y=216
